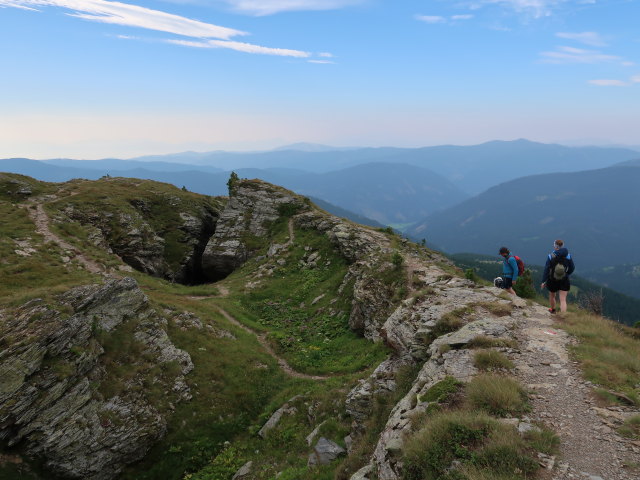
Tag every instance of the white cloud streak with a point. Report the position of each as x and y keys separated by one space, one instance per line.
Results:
x=431 y=18
x=269 y=7
x=207 y=35
x=128 y=15
x=577 y=55
x=588 y=38
x=241 y=47
x=609 y=83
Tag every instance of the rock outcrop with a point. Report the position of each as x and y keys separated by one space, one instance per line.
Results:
x=159 y=234
x=253 y=206
x=64 y=395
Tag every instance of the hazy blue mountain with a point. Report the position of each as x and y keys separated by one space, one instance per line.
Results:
x=596 y=212
x=343 y=213
x=387 y=193
x=616 y=305
x=113 y=164
x=472 y=168
x=312 y=147
x=629 y=163
x=46 y=172
x=623 y=278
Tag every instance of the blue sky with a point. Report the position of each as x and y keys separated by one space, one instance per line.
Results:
x=96 y=78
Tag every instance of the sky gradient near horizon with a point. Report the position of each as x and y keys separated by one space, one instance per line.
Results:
x=98 y=78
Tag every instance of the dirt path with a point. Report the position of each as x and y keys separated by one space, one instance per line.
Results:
x=265 y=344
x=589 y=448
x=41 y=220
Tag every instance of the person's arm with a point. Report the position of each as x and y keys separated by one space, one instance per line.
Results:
x=571 y=267
x=514 y=266
x=545 y=274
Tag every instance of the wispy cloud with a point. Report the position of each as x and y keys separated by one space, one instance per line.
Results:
x=461 y=17
x=588 y=38
x=609 y=83
x=430 y=18
x=533 y=8
x=322 y=62
x=269 y=7
x=635 y=79
x=241 y=47
x=129 y=15
x=433 y=19
x=577 y=55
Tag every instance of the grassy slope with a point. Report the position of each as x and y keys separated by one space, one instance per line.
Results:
x=236 y=385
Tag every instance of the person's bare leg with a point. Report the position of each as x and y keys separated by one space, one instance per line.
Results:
x=511 y=291
x=563 y=301
x=552 y=300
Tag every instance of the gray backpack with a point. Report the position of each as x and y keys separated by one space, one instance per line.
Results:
x=558 y=267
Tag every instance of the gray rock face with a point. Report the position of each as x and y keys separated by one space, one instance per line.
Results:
x=273 y=421
x=251 y=208
x=131 y=235
x=325 y=452
x=52 y=371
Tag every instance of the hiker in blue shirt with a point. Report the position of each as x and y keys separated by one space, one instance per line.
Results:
x=509 y=270
x=556 y=275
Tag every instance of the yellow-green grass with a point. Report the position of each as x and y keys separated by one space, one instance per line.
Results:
x=497 y=395
x=630 y=428
x=41 y=274
x=491 y=360
x=607 y=354
x=499 y=309
x=483 y=447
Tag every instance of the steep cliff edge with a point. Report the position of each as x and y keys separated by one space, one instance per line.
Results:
x=69 y=394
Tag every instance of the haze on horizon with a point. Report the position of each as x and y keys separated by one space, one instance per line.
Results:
x=97 y=78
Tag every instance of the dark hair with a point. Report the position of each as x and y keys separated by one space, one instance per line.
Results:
x=560 y=243
x=504 y=250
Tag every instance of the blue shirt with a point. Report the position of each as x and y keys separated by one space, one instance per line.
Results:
x=510 y=268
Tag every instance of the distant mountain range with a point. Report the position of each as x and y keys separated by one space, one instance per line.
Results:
x=596 y=212
x=473 y=168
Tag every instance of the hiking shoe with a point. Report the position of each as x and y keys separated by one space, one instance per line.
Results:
x=552 y=310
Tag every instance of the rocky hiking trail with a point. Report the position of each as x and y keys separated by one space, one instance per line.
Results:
x=262 y=339
x=589 y=448
x=35 y=209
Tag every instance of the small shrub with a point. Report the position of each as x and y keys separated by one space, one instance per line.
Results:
x=397 y=260
x=488 y=360
x=543 y=440
x=447 y=437
x=631 y=427
x=497 y=395
x=498 y=309
x=451 y=321
x=592 y=301
x=524 y=285
x=470 y=274
x=441 y=391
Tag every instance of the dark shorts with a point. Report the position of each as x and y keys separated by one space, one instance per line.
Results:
x=507 y=282
x=554 y=285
